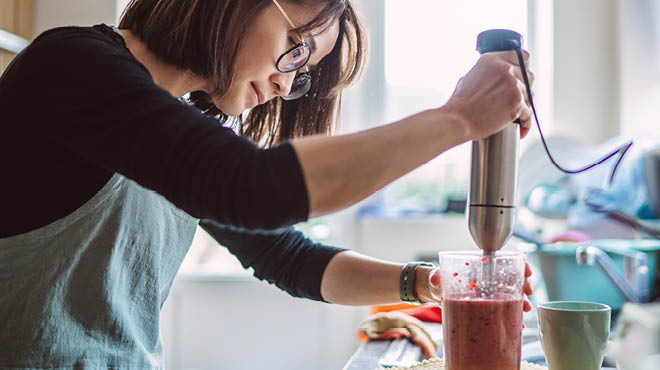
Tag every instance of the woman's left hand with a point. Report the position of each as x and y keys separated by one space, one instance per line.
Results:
x=428 y=285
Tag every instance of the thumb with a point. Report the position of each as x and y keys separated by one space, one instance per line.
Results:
x=435 y=284
x=434 y=278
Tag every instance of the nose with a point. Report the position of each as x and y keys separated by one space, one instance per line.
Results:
x=282 y=82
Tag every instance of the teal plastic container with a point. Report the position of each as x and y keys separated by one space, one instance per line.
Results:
x=565 y=280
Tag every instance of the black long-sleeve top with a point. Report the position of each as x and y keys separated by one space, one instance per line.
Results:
x=76 y=107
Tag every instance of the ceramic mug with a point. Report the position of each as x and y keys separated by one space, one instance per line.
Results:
x=574 y=334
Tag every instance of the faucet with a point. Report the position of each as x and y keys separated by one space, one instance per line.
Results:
x=634 y=284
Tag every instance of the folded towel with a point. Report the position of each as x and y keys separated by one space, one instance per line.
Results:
x=396 y=324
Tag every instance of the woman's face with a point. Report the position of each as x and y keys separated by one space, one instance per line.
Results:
x=256 y=78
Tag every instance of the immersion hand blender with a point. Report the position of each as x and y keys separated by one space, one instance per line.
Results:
x=494 y=171
x=494 y=168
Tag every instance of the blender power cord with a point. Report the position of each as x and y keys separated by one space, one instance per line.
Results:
x=620 y=150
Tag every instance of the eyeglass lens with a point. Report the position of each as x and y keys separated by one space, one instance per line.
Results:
x=295 y=58
x=300 y=86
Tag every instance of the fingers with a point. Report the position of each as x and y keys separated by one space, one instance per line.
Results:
x=526 y=112
x=434 y=286
x=527 y=288
x=525 y=54
x=434 y=279
x=524 y=130
x=511 y=57
x=525 y=121
x=525 y=115
x=522 y=87
x=517 y=72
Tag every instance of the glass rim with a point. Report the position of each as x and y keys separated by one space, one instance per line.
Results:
x=588 y=306
x=480 y=254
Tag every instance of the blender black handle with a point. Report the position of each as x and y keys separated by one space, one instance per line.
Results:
x=498 y=40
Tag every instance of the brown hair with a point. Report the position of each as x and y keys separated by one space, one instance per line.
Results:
x=203 y=37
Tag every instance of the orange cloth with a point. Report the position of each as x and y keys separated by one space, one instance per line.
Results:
x=426 y=313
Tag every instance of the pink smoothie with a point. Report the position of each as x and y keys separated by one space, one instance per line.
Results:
x=482 y=334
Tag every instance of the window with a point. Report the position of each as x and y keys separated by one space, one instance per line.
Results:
x=429 y=45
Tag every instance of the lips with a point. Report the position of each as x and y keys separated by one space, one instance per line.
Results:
x=260 y=99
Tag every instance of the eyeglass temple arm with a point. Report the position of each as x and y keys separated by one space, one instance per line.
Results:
x=277 y=4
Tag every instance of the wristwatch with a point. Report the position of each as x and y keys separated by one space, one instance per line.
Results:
x=407 y=281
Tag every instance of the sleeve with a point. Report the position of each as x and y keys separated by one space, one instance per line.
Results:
x=90 y=98
x=287 y=258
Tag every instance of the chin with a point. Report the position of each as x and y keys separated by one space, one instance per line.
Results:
x=229 y=108
x=232 y=111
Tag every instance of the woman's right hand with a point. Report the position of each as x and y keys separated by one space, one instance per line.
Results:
x=492 y=95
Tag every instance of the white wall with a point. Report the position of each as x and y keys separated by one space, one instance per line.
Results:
x=363 y=105
x=640 y=67
x=54 y=13
x=607 y=68
x=586 y=69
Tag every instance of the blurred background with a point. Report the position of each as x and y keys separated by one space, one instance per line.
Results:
x=597 y=84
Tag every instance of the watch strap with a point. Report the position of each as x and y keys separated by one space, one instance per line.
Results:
x=407 y=282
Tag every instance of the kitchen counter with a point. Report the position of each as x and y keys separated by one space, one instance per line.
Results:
x=368 y=354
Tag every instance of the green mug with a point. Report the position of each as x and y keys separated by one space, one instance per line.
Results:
x=574 y=334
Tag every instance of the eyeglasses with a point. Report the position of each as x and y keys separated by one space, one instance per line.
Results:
x=293 y=60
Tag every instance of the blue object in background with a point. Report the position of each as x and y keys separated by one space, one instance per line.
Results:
x=628 y=192
x=565 y=280
x=550 y=200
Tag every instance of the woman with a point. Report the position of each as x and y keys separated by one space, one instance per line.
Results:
x=108 y=172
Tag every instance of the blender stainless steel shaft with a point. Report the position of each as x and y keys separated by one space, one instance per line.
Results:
x=494 y=168
x=493 y=178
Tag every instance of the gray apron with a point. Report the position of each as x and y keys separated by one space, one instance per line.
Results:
x=85 y=291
